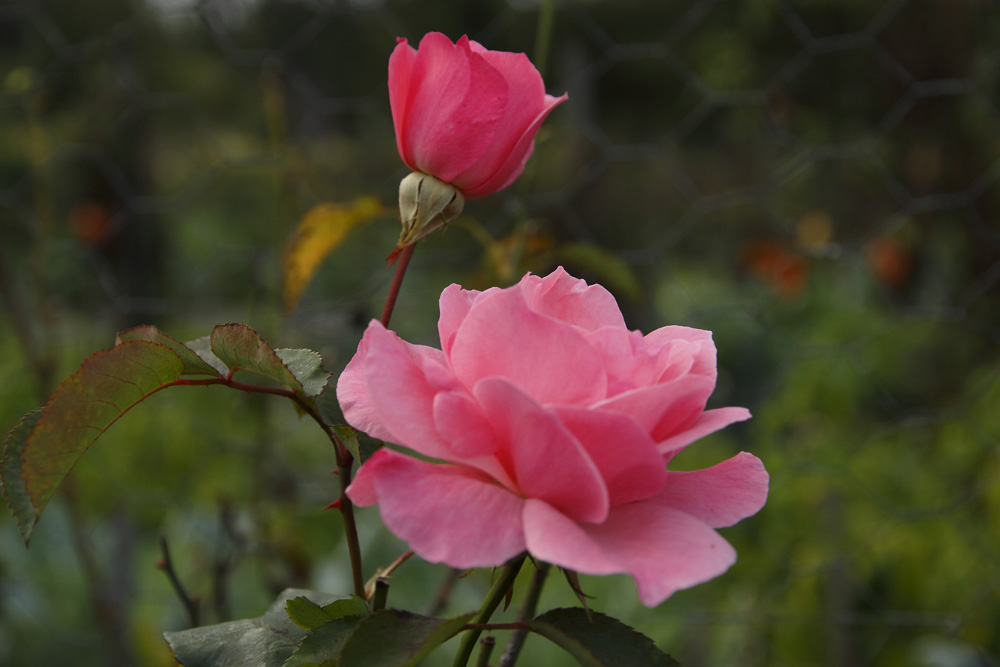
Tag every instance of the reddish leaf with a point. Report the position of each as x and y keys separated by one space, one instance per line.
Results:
x=242 y=348
x=193 y=364
x=108 y=384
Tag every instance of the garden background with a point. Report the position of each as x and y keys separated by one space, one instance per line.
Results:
x=816 y=181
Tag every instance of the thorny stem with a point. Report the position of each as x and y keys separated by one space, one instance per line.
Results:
x=486 y=609
x=344 y=462
x=485 y=650
x=397 y=281
x=190 y=604
x=526 y=612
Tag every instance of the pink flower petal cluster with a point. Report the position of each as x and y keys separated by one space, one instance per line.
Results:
x=555 y=424
x=463 y=114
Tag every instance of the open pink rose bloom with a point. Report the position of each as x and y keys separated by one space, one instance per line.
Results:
x=466 y=115
x=554 y=425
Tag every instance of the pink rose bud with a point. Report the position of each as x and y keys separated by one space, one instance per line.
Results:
x=552 y=426
x=464 y=116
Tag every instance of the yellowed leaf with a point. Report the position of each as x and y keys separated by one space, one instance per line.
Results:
x=321 y=231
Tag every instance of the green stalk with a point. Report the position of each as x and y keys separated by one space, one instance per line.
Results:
x=492 y=600
x=525 y=613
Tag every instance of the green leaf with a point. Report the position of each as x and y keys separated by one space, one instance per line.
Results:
x=266 y=641
x=307 y=367
x=203 y=348
x=14 y=491
x=108 y=384
x=601 y=642
x=323 y=645
x=242 y=348
x=193 y=364
x=353 y=606
x=391 y=638
x=328 y=405
x=309 y=615
x=349 y=437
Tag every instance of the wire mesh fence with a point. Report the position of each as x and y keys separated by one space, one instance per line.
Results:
x=818 y=182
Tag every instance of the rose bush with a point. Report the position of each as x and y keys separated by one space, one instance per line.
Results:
x=463 y=114
x=555 y=424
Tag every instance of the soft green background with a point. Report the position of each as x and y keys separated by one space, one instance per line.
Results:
x=816 y=181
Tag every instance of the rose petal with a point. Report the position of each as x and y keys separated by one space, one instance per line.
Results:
x=446 y=514
x=664 y=407
x=551 y=361
x=461 y=423
x=702 y=348
x=362 y=490
x=455 y=100
x=526 y=100
x=661 y=548
x=624 y=454
x=399 y=392
x=571 y=300
x=521 y=150
x=709 y=421
x=626 y=360
x=719 y=496
x=401 y=90
x=352 y=394
x=454 y=305
x=546 y=460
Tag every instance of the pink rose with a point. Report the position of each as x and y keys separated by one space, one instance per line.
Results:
x=465 y=115
x=555 y=424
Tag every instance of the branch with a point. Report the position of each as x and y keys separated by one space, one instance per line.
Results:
x=190 y=604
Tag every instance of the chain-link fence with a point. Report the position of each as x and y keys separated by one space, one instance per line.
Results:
x=816 y=181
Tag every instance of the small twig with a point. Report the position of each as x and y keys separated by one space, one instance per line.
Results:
x=385 y=573
x=394 y=565
x=190 y=604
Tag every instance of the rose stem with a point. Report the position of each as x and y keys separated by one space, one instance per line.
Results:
x=397 y=281
x=344 y=463
x=485 y=650
x=526 y=611
x=492 y=600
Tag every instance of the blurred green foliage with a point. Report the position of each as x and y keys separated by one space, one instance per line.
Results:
x=815 y=181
